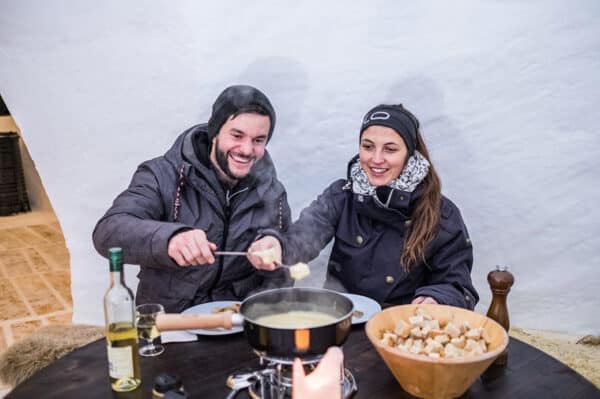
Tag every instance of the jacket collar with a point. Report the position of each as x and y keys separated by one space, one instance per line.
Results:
x=378 y=202
x=192 y=147
x=412 y=175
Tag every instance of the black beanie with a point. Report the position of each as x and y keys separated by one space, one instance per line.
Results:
x=234 y=98
x=397 y=118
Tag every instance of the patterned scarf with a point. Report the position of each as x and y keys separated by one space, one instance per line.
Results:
x=413 y=173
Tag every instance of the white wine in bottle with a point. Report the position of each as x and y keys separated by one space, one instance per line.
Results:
x=121 y=333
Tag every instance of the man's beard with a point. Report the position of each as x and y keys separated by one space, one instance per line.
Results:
x=223 y=164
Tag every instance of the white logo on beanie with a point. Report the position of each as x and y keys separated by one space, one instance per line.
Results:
x=378 y=115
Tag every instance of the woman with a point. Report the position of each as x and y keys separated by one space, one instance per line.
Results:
x=397 y=239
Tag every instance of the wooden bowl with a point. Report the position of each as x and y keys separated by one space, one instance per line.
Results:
x=431 y=378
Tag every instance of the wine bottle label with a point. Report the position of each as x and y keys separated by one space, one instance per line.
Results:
x=120 y=362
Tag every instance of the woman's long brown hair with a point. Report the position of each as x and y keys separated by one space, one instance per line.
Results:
x=425 y=216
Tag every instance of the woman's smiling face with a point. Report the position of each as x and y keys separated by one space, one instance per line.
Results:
x=382 y=154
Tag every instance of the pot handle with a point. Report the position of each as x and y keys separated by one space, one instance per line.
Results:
x=176 y=321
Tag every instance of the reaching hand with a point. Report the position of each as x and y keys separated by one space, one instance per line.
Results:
x=265 y=253
x=424 y=300
x=324 y=382
x=191 y=248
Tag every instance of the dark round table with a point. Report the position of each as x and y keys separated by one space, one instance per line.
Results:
x=204 y=366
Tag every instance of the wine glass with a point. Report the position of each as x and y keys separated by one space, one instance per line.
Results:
x=148 y=334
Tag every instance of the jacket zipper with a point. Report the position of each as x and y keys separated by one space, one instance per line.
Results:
x=227 y=212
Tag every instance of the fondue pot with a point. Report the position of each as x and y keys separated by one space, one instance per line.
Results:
x=286 y=342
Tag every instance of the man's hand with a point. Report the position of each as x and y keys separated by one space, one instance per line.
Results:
x=265 y=254
x=324 y=382
x=424 y=300
x=191 y=248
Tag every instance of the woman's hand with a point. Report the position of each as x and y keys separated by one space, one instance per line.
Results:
x=424 y=300
x=265 y=254
x=324 y=382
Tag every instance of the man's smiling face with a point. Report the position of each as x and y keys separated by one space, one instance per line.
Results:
x=240 y=143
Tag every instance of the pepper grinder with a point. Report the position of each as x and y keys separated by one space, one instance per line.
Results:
x=500 y=281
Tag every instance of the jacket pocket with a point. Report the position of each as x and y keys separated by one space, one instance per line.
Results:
x=351 y=253
x=242 y=287
x=165 y=287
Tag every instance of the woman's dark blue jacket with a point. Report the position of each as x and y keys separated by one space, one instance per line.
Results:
x=369 y=238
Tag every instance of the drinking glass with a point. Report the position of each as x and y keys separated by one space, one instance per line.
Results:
x=148 y=334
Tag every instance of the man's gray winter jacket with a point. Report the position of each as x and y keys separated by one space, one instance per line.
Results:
x=180 y=191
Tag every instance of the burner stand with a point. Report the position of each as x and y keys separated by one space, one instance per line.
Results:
x=275 y=379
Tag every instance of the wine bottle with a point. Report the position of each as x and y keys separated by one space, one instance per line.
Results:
x=121 y=333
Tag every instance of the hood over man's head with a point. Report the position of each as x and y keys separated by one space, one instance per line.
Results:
x=236 y=100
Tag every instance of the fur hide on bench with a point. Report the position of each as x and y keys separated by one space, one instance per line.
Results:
x=24 y=358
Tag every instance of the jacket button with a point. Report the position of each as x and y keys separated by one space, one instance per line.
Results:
x=407 y=222
x=389 y=279
x=467 y=298
x=359 y=240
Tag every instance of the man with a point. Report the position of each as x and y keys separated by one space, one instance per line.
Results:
x=212 y=190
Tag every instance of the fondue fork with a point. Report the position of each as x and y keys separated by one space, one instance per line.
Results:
x=232 y=253
x=297 y=271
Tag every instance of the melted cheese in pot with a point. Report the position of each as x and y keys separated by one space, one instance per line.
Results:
x=296 y=319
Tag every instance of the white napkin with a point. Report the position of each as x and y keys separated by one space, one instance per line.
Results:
x=177 y=336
